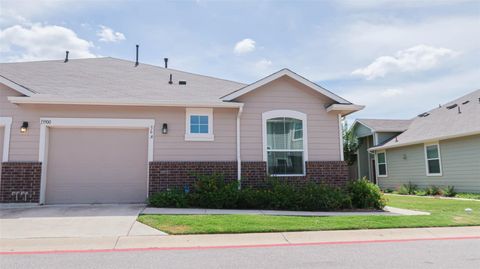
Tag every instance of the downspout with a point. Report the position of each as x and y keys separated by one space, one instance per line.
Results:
x=239 y=161
x=340 y=132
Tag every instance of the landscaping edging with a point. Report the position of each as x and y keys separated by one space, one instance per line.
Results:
x=434 y=197
x=388 y=211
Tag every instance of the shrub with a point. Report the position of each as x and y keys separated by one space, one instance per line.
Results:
x=388 y=190
x=365 y=194
x=315 y=197
x=449 y=191
x=433 y=190
x=213 y=192
x=409 y=188
x=170 y=198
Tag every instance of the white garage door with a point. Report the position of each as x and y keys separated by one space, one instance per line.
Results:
x=96 y=166
x=2 y=132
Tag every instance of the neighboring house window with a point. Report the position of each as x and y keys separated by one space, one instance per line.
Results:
x=285 y=142
x=433 y=160
x=199 y=124
x=382 y=164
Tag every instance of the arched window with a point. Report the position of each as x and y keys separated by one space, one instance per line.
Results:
x=285 y=142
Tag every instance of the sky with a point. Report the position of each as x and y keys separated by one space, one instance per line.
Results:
x=398 y=58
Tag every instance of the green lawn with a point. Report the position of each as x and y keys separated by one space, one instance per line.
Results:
x=444 y=213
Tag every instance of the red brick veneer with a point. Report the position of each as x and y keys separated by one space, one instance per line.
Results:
x=174 y=175
x=169 y=175
x=20 y=182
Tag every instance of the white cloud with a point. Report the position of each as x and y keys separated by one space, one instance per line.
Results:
x=417 y=58
x=391 y=92
x=42 y=42
x=415 y=97
x=107 y=34
x=263 y=64
x=244 y=46
x=378 y=4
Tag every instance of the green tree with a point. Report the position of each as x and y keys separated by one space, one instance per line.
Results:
x=350 y=144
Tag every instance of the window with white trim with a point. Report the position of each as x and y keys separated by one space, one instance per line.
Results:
x=199 y=124
x=433 y=160
x=382 y=164
x=285 y=142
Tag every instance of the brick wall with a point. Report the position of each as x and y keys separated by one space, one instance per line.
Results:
x=169 y=175
x=333 y=173
x=20 y=182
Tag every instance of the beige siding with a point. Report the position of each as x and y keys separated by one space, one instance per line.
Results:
x=460 y=165
x=286 y=93
x=171 y=147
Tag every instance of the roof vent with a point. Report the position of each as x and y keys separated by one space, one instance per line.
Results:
x=171 y=80
x=424 y=114
x=452 y=106
x=182 y=82
x=136 y=57
x=459 y=111
x=66 y=56
x=166 y=62
x=466 y=102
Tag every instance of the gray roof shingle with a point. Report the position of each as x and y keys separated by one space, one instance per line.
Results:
x=114 y=78
x=386 y=125
x=443 y=123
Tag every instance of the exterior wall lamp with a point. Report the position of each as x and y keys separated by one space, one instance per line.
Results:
x=24 y=127
x=164 y=128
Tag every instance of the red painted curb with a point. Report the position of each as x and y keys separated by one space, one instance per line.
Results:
x=237 y=246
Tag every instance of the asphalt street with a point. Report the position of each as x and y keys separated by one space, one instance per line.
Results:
x=418 y=254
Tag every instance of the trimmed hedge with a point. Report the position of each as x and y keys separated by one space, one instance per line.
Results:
x=214 y=192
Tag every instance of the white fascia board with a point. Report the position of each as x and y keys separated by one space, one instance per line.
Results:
x=6 y=123
x=422 y=141
x=279 y=74
x=118 y=102
x=344 y=109
x=16 y=87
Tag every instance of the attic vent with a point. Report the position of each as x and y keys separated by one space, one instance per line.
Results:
x=171 y=79
x=423 y=115
x=182 y=82
x=452 y=106
x=466 y=102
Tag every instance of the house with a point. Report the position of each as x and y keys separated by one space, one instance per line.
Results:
x=106 y=130
x=370 y=133
x=440 y=147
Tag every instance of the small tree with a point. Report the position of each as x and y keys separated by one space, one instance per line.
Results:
x=350 y=144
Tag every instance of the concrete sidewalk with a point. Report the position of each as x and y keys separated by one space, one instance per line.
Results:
x=388 y=211
x=124 y=243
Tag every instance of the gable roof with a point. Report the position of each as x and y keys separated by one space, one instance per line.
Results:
x=111 y=81
x=384 y=125
x=284 y=72
x=110 y=78
x=458 y=118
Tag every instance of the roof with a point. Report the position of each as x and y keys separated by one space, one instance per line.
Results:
x=458 y=118
x=113 y=78
x=384 y=125
x=279 y=74
x=111 y=81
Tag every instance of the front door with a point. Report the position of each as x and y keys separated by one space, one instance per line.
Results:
x=374 y=172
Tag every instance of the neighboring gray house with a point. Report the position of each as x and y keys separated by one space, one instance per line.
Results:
x=440 y=147
x=107 y=130
x=370 y=133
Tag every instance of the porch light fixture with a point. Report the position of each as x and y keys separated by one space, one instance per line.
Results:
x=164 y=128
x=24 y=127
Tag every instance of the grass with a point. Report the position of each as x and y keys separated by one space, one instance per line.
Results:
x=443 y=213
x=468 y=195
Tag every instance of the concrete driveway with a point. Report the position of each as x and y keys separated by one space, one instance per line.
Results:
x=72 y=221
